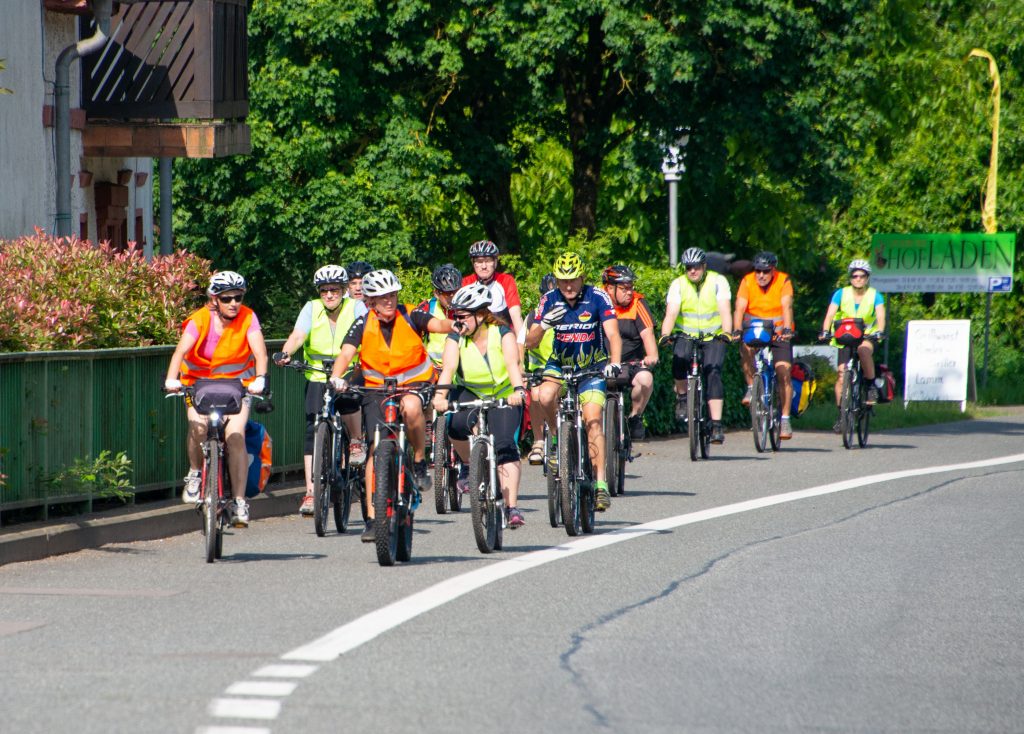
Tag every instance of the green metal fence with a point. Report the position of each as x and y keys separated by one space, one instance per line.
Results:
x=56 y=407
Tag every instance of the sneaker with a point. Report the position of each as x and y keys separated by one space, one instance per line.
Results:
x=537 y=453
x=680 y=407
x=193 y=480
x=748 y=395
x=306 y=508
x=872 y=395
x=369 y=534
x=356 y=452
x=602 y=500
x=786 y=431
x=462 y=483
x=240 y=514
x=515 y=518
x=717 y=434
x=636 y=427
x=419 y=469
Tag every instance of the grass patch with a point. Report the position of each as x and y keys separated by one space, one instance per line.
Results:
x=893 y=415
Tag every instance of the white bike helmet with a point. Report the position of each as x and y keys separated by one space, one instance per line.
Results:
x=472 y=297
x=225 y=280
x=380 y=283
x=330 y=275
x=859 y=265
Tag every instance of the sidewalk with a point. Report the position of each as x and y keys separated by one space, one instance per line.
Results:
x=33 y=541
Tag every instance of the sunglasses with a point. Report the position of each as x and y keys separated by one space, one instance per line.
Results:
x=694 y=267
x=462 y=316
x=761 y=272
x=330 y=291
x=858 y=275
x=230 y=299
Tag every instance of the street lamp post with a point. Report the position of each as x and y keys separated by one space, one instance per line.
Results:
x=673 y=166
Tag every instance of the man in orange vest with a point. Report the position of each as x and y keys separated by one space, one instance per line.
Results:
x=767 y=293
x=222 y=340
x=389 y=340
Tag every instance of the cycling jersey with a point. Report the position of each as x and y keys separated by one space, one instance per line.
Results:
x=509 y=295
x=579 y=338
x=634 y=319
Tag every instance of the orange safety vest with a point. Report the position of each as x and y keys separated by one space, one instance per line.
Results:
x=764 y=304
x=232 y=358
x=405 y=358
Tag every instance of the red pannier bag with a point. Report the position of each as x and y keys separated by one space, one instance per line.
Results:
x=887 y=388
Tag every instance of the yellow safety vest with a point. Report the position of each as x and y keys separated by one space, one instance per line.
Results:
x=484 y=376
x=323 y=341
x=848 y=308
x=698 y=311
x=435 y=342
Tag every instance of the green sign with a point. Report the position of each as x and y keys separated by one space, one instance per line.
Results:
x=943 y=263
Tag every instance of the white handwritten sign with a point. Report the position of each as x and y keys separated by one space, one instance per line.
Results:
x=937 y=361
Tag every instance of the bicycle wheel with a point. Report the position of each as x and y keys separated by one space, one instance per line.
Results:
x=611 y=442
x=321 y=477
x=569 y=490
x=863 y=416
x=846 y=419
x=454 y=495
x=705 y=422
x=211 y=501
x=759 y=415
x=403 y=526
x=620 y=467
x=483 y=505
x=693 y=425
x=775 y=415
x=341 y=491
x=442 y=466
x=588 y=499
x=551 y=474
x=385 y=501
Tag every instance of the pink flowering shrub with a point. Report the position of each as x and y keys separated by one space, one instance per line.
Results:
x=69 y=294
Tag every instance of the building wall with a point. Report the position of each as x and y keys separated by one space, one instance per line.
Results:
x=31 y=38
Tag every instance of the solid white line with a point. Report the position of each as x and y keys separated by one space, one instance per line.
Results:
x=261 y=688
x=365 y=628
x=244 y=708
x=232 y=730
x=286 y=671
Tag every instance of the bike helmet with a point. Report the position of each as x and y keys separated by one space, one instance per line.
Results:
x=380 y=283
x=483 y=248
x=617 y=274
x=694 y=256
x=859 y=265
x=330 y=275
x=446 y=278
x=472 y=297
x=548 y=283
x=765 y=261
x=358 y=269
x=226 y=280
x=568 y=266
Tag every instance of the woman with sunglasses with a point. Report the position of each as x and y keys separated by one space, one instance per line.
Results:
x=222 y=340
x=482 y=356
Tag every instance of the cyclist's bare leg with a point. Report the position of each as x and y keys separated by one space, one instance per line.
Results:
x=508 y=477
x=368 y=481
x=547 y=401
x=238 y=460
x=785 y=385
x=715 y=408
x=839 y=383
x=353 y=425
x=196 y=436
x=643 y=387
x=415 y=425
x=461 y=448
x=592 y=413
x=747 y=363
x=866 y=352
x=307 y=466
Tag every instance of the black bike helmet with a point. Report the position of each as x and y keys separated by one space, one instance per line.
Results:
x=618 y=274
x=358 y=269
x=547 y=283
x=446 y=278
x=765 y=260
x=483 y=248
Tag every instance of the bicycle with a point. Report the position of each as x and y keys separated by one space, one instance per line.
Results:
x=854 y=411
x=574 y=470
x=332 y=475
x=617 y=441
x=446 y=469
x=215 y=399
x=396 y=495
x=766 y=397
x=698 y=417
x=486 y=503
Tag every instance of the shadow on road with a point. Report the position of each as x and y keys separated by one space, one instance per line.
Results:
x=247 y=557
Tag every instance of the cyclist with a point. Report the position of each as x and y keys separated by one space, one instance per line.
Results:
x=357 y=270
x=446 y=280
x=389 y=339
x=504 y=291
x=221 y=340
x=586 y=335
x=767 y=293
x=319 y=330
x=636 y=327
x=534 y=361
x=698 y=303
x=483 y=359
x=857 y=301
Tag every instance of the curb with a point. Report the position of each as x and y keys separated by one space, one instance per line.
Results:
x=127 y=525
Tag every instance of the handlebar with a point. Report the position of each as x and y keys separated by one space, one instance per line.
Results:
x=298 y=364
x=701 y=337
x=454 y=406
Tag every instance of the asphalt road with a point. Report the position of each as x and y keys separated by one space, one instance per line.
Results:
x=748 y=593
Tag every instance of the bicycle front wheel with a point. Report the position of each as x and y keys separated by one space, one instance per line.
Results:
x=211 y=501
x=775 y=415
x=693 y=418
x=385 y=502
x=403 y=552
x=863 y=416
x=483 y=505
x=703 y=417
x=321 y=477
x=442 y=465
x=759 y=415
x=846 y=418
x=341 y=492
x=551 y=474
x=588 y=498
x=612 y=443
x=569 y=490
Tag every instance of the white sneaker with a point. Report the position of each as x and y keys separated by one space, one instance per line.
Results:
x=356 y=452
x=193 y=480
x=240 y=514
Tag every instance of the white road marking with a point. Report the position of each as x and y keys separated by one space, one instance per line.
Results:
x=232 y=730
x=261 y=688
x=286 y=671
x=244 y=708
x=365 y=628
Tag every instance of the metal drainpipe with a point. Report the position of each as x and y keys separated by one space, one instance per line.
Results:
x=101 y=11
